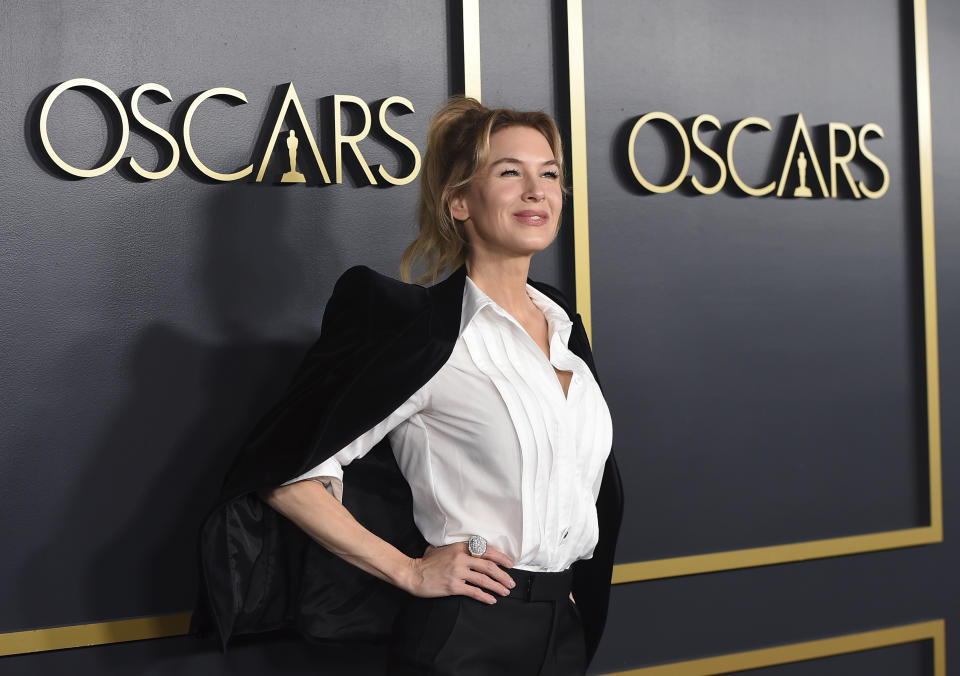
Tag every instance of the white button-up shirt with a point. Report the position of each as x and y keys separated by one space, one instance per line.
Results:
x=491 y=446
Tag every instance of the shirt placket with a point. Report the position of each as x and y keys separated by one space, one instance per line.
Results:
x=489 y=358
x=530 y=360
x=550 y=472
x=566 y=439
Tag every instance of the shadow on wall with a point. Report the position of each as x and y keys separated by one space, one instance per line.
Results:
x=155 y=467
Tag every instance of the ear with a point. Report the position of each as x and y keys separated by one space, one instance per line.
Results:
x=458 y=207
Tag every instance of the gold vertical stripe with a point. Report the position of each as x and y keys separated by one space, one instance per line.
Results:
x=100 y=633
x=578 y=161
x=925 y=145
x=471 y=49
x=808 y=650
x=940 y=648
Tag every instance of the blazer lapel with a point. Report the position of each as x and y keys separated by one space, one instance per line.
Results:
x=447 y=300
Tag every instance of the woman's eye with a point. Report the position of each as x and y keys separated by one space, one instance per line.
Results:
x=509 y=172
x=551 y=174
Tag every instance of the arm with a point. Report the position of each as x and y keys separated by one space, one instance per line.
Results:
x=321 y=516
x=442 y=571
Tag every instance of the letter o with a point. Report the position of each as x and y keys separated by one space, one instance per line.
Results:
x=670 y=119
x=45 y=138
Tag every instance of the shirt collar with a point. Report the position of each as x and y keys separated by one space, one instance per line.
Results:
x=475 y=300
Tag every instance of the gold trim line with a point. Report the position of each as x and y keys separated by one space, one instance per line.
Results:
x=931 y=350
x=471 y=49
x=808 y=650
x=578 y=161
x=775 y=554
x=99 y=633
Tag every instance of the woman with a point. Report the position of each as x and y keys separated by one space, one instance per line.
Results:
x=482 y=502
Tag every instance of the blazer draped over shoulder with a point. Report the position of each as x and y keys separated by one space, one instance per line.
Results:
x=380 y=341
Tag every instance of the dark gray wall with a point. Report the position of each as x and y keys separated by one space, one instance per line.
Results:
x=759 y=355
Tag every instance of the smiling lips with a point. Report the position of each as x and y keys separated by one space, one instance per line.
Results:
x=532 y=217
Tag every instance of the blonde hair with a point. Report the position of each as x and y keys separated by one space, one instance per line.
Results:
x=458 y=143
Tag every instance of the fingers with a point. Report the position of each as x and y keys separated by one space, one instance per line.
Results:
x=495 y=573
x=450 y=569
x=481 y=582
x=477 y=594
x=486 y=579
x=495 y=555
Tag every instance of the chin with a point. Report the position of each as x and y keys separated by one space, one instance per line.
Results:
x=535 y=247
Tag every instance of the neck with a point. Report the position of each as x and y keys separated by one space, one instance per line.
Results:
x=504 y=280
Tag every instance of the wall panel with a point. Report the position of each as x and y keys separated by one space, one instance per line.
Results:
x=762 y=357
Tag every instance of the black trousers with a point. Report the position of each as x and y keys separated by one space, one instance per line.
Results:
x=536 y=631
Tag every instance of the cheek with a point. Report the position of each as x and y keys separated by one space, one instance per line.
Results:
x=555 y=196
x=494 y=200
x=501 y=207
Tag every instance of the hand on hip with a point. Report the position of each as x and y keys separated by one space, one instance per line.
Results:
x=449 y=570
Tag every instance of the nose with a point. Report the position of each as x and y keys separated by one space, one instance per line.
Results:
x=533 y=191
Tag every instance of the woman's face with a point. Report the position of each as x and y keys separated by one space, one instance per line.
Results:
x=512 y=206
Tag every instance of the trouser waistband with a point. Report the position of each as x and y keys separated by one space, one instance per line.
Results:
x=539 y=586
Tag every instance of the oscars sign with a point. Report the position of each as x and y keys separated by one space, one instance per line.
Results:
x=837 y=162
x=341 y=141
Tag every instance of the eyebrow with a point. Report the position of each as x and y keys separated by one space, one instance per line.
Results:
x=513 y=160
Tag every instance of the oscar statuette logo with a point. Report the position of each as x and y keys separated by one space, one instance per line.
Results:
x=293 y=176
x=801 y=190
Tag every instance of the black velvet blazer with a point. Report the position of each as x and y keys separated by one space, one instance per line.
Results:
x=380 y=341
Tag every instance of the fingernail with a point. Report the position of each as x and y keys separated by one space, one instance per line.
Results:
x=512 y=584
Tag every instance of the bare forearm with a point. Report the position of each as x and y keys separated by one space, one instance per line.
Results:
x=441 y=571
x=323 y=518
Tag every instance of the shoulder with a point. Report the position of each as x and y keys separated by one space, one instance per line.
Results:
x=361 y=279
x=358 y=279
x=382 y=300
x=358 y=274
